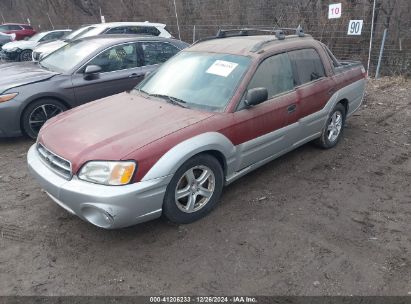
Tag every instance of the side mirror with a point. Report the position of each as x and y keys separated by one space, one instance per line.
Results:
x=92 y=69
x=256 y=96
x=91 y=72
x=26 y=38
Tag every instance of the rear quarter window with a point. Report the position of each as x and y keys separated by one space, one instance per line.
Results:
x=307 y=65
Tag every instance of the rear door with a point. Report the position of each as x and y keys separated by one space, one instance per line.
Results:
x=121 y=71
x=261 y=132
x=313 y=88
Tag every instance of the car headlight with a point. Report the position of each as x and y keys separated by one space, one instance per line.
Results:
x=7 y=97
x=113 y=173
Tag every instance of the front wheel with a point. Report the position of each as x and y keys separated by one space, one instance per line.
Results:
x=26 y=55
x=194 y=189
x=37 y=113
x=333 y=129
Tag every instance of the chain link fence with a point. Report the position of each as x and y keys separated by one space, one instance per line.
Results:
x=196 y=19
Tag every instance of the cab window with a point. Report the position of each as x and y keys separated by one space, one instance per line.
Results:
x=307 y=65
x=274 y=74
x=157 y=52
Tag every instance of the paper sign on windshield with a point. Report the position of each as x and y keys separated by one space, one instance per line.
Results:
x=222 y=68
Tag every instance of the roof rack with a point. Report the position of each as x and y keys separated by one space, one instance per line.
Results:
x=278 y=32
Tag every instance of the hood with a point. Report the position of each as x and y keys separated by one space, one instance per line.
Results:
x=49 y=47
x=21 y=44
x=21 y=73
x=113 y=127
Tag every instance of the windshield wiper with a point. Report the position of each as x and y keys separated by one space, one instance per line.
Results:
x=171 y=99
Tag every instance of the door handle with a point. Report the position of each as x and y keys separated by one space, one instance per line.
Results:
x=291 y=108
x=332 y=91
x=134 y=75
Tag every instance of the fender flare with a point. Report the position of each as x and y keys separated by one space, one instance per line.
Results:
x=169 y=163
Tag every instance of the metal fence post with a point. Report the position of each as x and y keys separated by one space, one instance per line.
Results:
x=178 y=25
x=194 y=33
x=372 y=32
x=377 y=73
x=51 y=22
x=2 y=17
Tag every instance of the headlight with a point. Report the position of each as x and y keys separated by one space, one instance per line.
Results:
x=108 y=172
x=7 y=97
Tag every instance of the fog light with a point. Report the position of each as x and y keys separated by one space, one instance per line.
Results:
x=98 y=217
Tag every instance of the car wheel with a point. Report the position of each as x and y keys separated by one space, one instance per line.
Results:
x=333 y=129
x=37 y=113
x=26 y=55
x=194 y=189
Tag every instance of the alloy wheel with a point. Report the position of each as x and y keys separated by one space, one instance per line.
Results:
x=334 y=126
x=41 y=114
x=195 y=189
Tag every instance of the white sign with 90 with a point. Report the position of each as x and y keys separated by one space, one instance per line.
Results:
x=355 y=27
x=334 y=11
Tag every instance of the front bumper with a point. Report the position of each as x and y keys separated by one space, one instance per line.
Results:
x=10 y=113
x=9 y=56
x=104 y=206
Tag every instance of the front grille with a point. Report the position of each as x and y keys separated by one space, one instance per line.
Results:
x=36 y=56
x=56 y=163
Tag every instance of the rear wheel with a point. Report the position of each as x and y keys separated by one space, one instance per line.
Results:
x=333 y=129
x=37 y=113
x=194 y=190
x=25 y=55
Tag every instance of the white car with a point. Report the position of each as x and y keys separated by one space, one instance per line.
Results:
x=20 y=50
x=140 y=28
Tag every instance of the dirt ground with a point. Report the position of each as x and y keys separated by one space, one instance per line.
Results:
x=314 y=222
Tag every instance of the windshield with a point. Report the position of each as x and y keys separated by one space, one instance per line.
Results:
x=93 y=32
x=78 y=33
x=200 y=80
x=37 y=37
x=69 y=56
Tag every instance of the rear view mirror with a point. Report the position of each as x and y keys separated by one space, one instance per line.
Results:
x=92 y=69
x=256 y=96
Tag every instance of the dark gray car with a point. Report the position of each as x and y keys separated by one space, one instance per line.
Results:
x=84 y=70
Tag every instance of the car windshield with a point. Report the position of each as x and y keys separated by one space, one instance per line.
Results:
x=199 y=80
x=4 y=28
x=37 y=36
x=69 y=56
x=78 y=33
x=93 y=32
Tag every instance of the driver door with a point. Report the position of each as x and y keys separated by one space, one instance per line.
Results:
x=262 y=131
x=120 y=71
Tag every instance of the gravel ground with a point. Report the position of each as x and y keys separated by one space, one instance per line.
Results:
x=313 y=222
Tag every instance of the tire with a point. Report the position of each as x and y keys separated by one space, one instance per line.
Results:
x=37 y=113
x=25 y=55
x=179 y=210
x=333 y=129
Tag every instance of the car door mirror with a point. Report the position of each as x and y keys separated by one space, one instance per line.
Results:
x=256 y=96
x=92 y=69
x=91 y=72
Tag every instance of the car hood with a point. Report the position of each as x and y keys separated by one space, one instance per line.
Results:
x=21 y=73
x=21 y=44
x=49 y=47
x=113 y=127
